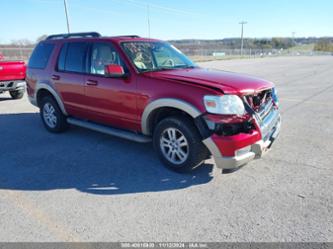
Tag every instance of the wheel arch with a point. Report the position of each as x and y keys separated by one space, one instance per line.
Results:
x=153 y=107
x=42 y=89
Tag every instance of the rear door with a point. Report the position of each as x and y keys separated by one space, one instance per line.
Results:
x=111 y=100
x=69 y=77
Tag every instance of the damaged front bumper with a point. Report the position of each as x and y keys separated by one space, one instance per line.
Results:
x=269 y=130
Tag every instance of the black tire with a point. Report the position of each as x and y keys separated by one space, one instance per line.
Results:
x=196 y=150
x=16 y=94
x=60 y=124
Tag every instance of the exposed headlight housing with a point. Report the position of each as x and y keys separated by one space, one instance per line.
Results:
x=225 y=104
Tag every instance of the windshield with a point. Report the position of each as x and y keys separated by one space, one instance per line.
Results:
x=155 y=56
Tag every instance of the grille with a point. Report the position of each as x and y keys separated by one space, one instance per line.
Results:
x=261 y=103
x=265 y=110
x=6 y=84
x=268 y=118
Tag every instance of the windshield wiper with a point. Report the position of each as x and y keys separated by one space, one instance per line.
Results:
x=167 y=68
x=156 y=69
x=185 y=66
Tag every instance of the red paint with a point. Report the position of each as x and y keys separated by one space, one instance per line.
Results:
x=228 y=82
x=12 y=70
x=120 y=102
x=229 y=144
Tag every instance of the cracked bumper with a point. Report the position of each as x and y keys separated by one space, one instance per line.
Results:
x=269 y=130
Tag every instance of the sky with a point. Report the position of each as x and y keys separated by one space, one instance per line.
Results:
x=169 y=19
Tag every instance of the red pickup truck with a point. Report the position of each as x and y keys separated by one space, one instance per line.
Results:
x=12 y=78
x=147 y=90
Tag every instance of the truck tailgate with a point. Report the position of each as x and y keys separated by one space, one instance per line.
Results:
x=12 y=70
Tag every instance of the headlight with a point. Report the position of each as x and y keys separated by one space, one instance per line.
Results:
x=275 y=96
x=226 y=104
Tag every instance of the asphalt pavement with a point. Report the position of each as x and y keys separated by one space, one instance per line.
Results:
x=86 y=186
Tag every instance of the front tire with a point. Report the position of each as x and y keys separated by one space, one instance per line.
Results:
x=53 y=118
x=16 y=94
x=178 y=144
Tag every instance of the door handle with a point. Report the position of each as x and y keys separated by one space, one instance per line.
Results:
x=91 y=82
x=55 y=77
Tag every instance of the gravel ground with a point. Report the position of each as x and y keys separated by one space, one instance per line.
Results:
x=86 y=186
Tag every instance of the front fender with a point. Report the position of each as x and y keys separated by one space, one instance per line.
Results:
x=166 y=102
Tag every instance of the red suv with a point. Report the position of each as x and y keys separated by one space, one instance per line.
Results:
x=147 y=90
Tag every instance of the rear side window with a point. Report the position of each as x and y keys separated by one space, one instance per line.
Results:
x=72 y=57
x=41 y=55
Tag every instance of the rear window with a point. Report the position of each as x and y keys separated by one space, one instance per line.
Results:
x=41 y=55
x=72 y=57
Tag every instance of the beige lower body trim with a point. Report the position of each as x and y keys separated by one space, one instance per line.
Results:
x=53 y=92
x=166 y=102
x=257 y=151
x=230 y=162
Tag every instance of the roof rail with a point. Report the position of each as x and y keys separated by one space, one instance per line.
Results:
x=73 y=35
x=130 y=36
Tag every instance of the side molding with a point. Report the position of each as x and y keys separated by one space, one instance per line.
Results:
x=166 y=102
x=47 y=87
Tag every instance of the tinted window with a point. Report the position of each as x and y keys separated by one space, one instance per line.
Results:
x=62 y=58
x=41 y=56
x=72 y=57
x=103 y=54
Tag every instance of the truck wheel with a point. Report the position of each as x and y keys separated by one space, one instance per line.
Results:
x=17 y=94
x=53 y=118
x=178 y=144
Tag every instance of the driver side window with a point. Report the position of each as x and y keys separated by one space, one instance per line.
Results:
x=103 y=54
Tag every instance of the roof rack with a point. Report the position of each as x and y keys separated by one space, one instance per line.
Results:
x=129 y=36
x=73 y=35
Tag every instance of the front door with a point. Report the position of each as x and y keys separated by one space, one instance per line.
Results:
x=111 y=101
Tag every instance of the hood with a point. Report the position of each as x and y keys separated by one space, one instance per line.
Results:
x=228 y=82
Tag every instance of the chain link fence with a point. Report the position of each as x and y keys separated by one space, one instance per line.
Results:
x=197 y=54
x=212 y=54
x=15 y=53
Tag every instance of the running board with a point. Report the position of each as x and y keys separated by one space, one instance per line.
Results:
x=109 y=130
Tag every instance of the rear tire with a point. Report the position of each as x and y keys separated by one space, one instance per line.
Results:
x=16 y=94
x=53 y=118
x=178 y=144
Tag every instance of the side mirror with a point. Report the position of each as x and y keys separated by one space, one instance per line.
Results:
x=114 y=70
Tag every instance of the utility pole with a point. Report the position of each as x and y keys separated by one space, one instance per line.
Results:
x=66 y=13
x=148 y=19
x=242 y=34
x=293 y=38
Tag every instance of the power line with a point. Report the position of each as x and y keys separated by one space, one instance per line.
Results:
x=143 y=4
x=242 y=33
